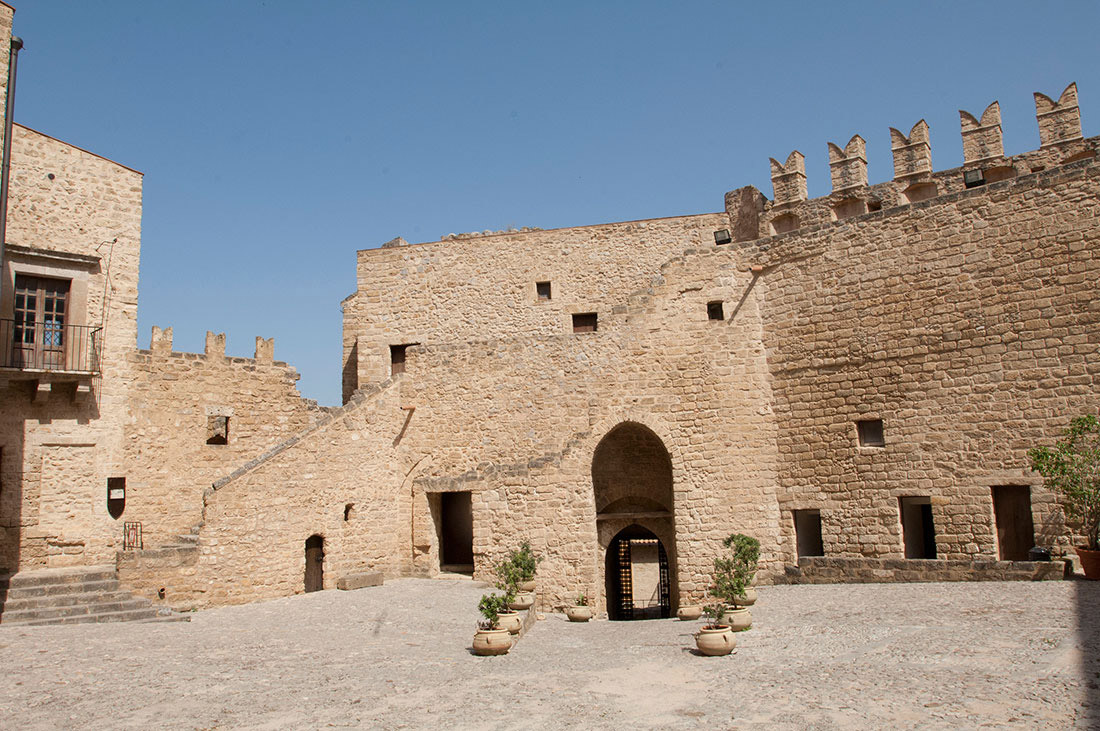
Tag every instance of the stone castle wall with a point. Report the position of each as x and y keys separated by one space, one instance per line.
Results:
x=174 y=398
x=61 y=440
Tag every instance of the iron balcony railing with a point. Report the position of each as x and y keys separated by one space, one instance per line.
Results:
x=49 y=346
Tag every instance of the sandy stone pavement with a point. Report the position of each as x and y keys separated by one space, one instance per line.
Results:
x=962 y=655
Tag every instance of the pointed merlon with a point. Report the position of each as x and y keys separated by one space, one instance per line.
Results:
x=1059 y=121
x=789 y=179
x=912 y=154
x=848 y=166
x=982 y=138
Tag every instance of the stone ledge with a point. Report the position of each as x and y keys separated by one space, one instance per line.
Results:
x=830 y=570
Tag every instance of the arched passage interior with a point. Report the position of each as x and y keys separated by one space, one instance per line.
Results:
x=632 y=484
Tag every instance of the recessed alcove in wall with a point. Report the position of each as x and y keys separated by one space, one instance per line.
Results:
x=1084 y=155
x=999 y=173
x=870 y=433
x=585 y=322
x=849 y=208
x=217 y=429
x=715 y=311
x=918 y=192
x=784 y=223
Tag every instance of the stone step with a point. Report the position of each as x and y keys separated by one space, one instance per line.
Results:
x=63 y=600
x=188 y=539
x=26 y=616
x=48 y=590
x=149 y=614
x=53 y=577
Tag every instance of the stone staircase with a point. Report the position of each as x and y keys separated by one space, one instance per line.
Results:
x=74 y=595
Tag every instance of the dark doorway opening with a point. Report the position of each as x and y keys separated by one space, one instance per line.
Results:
x=918 y=532
x=456 y=533
x=636 y=577
x=315 y=563
x=1015 y=527
x=807 y=532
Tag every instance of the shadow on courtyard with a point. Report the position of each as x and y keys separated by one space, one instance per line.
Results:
x=1087 y=599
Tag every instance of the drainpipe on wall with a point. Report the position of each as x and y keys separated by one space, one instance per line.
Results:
x=5 y=164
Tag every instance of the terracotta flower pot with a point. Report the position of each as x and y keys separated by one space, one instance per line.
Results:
x=750 y=596
x=509 y=621
x=689 y=614
x=738 y=619
x=523 y=600
x=578 y=614
x=1090 y=562
x=526 y=585
x=714 y=641
x=492 y=641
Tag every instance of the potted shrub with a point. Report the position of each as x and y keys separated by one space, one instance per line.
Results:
x=490 y=639
x=1071 y=468
x=526 y=563
x=579 y=612
x=732 y=575
x=516 y=577
x=715 y=638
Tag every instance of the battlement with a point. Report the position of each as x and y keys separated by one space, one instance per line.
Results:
x=752 y=216
x=160 y=345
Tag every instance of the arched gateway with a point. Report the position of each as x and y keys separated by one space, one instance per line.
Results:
x=632 y=484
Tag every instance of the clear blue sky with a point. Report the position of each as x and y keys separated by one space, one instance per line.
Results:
x=277 y=138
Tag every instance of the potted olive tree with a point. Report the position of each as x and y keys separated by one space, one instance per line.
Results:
x=715 y=637
x=490 y=638
x=732 y=576
x=580 y=611
x=1072 y=468
x=516 y=576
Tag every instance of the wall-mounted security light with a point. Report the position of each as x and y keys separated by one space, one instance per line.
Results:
x=973 y=178
x=722 y=236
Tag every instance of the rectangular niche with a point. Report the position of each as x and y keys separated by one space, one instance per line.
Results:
x=217 y=429
x=870 y=433
x=542 y=290
x=584 y=322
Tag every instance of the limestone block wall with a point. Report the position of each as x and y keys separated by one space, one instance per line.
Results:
x=57 y=445
x=483 y=287
x=174 y=399
x=967 y=323
x=344 y=479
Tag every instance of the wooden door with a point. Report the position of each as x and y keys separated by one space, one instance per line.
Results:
x=315 y=563
x=1015 y=528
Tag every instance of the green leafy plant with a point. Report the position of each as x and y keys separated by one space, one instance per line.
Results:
x=735 y=572
x=525 y=561
x=1072 y=468
x=714 y=614
x=508 y=579
x=490 y=606
x=582 y=600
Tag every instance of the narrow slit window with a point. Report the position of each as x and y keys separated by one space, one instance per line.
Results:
x=217 y=430
x=715 y=311
x=584 y=322
x=870 y=433
x=349 y=509
x=542 y=289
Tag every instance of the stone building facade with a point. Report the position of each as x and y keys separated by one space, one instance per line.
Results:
x=852 y=379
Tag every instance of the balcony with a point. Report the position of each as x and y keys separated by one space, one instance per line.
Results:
x=49 y=353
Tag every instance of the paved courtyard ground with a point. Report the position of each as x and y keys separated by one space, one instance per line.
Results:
x=396 y=656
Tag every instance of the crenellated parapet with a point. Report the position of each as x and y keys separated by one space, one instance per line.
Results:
x=160 y=344
x=914 y=180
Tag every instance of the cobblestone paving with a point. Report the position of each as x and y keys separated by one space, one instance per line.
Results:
x=856 y=656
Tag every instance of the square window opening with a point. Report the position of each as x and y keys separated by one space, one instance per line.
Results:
x=715 y=311
x=217 y=430
x=584 y=322
x=397 y=357
x=870 y=433
x=542 y=289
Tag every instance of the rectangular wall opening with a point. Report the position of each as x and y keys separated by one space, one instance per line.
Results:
x=397 y=357
x=542 y=289
x=217 y=430
x=1015 y=527
x=918 y=532
x=584 y=322
x=807 y=532
x=714 y=311
x=870 y=433
x=456 y=532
